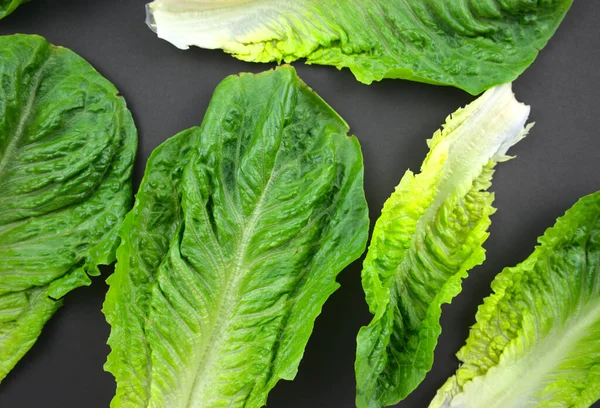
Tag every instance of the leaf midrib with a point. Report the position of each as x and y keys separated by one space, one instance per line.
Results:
x=226 y=306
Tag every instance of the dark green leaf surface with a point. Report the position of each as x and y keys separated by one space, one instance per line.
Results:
x=237 y=235
x=67 y=145
x=536 y=342
x=8 y=6
x=470 y=44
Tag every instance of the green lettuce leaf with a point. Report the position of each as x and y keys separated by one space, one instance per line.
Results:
x=429 y=235
x=67 y=145
x=470 y=44
x=8 y=6
x=233 y=245
x=536 y=342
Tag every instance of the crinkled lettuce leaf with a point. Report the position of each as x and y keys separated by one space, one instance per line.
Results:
x=470 y=44
x=8 y=6
x=67 y=145
x=430 y=233
x=536 y=342
x=234 y=243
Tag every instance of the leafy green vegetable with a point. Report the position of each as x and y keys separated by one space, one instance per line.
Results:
x=429 y=235
x=67 y=145
x=470 y=44
x=234 y=243
x=536 y=342
x=8 y=6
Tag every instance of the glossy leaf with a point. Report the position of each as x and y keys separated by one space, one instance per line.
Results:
x=536 y=342
x=429 y=235
x=233 y=245
x=470 y=44
x=67 y=145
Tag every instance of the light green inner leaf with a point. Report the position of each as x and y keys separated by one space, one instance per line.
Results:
x=429 y=235
x=535 y=343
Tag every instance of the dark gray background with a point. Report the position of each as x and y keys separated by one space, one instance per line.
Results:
x=168 y=90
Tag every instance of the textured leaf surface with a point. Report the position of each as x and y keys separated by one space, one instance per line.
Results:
x=234 y=243
x=536 y=342
x=67 y=145
x=8 y=6
x=470 y=44
x=429 y=235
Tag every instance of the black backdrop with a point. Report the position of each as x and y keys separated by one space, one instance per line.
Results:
x=168 y=90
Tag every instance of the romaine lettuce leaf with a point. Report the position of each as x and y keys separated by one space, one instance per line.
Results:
x=67 y=145
x=536 y=342
x=233 y=245
x=470 y=44
x=8 y=6
x=429 y=235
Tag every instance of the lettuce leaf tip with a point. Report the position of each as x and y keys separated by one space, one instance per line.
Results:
x=429 y=235
x=473 y=45
x=535 y=343
x=8 y=6
x=238 y=232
